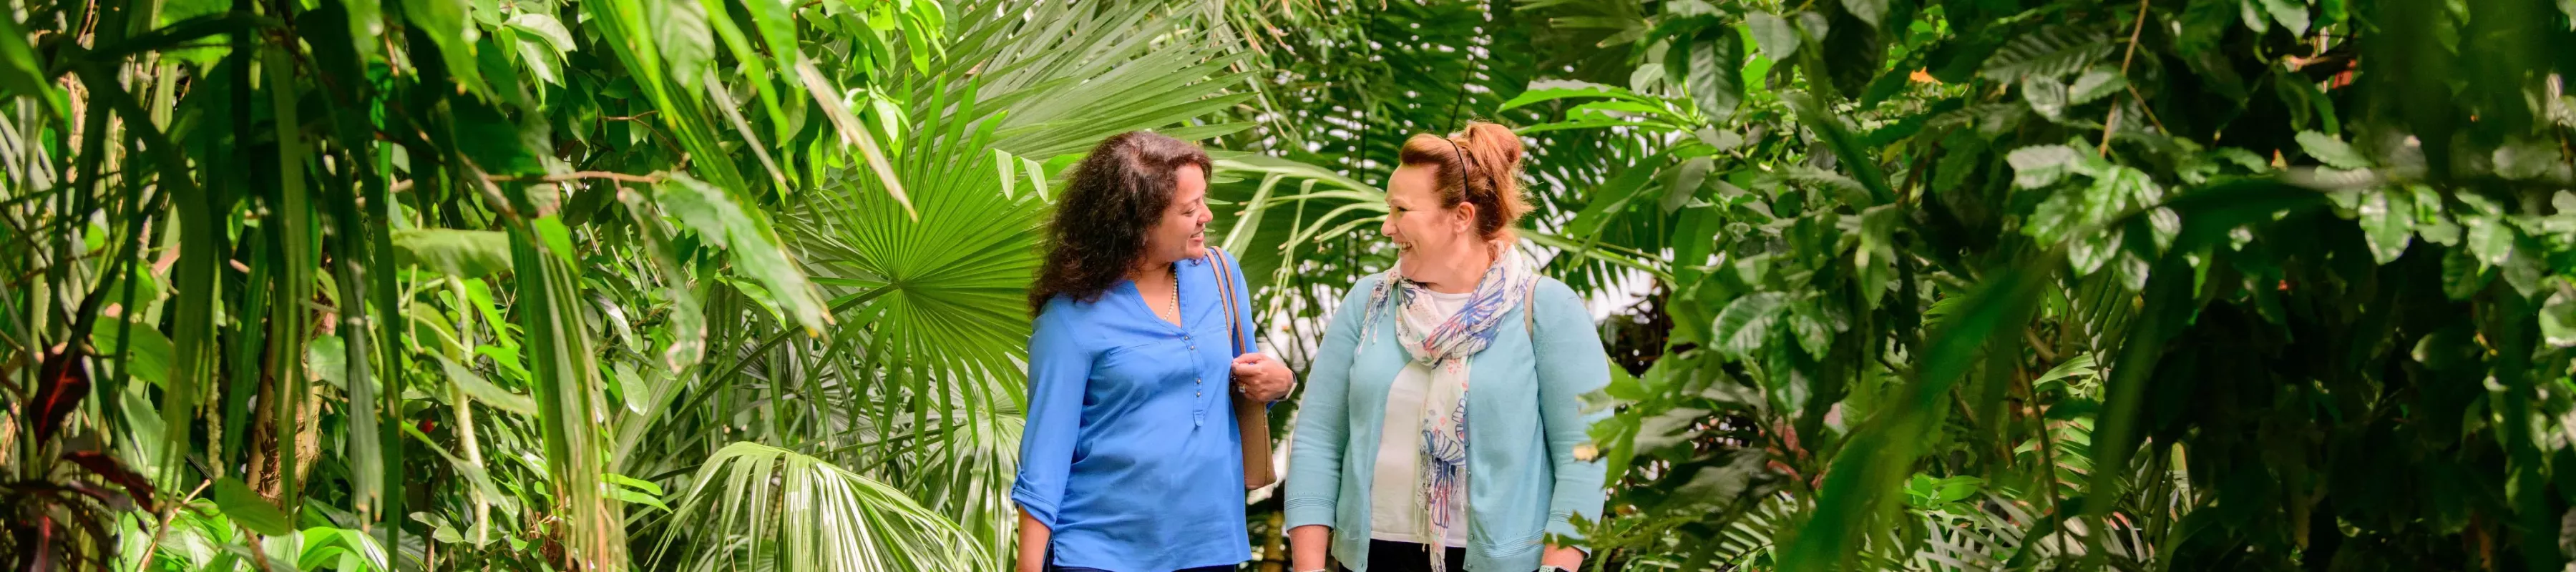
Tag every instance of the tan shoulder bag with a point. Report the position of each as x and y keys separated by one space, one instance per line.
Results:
x=1251 y=418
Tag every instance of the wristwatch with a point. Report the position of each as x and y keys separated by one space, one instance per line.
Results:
x=1550 y=568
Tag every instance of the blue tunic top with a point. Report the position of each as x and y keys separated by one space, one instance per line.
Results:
x=1131 y=457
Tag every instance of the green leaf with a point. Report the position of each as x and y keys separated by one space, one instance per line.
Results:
x=2040 y=165
x=2046 y=95
x=484 y=391
x=545 y=27
x=2523 y=159
x=148 y=354
x=1868 y=11
x=756 y=251
x=1745 y=324
x=1683 y=181
x=1552 y=90
x=1716 y=72
x=498 y=146
x=2331 y=151
x=2095 y=83
x=250 y=510
x=1773 y=34
x=2292 y=14
x=2387 y=223
x=2052 y=53
x=680 y=32
x=2558 y=317
x=2490 y=239
x=443 y=21
x=459 y=253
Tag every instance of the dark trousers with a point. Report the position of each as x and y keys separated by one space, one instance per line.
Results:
x=1391 y=556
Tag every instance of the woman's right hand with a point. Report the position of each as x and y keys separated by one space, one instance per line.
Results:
x=1307 y=547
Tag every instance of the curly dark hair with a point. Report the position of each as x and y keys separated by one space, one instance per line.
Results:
x=1098 y=231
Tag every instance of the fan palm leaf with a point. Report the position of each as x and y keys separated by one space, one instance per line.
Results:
x=753 y=501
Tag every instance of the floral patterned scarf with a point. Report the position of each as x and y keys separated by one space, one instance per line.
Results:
x=1445 y=343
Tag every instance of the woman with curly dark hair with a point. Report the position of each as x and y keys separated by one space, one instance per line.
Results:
x=1131 y=459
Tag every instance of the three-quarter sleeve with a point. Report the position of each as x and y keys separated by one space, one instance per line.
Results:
x=1323 y=418
x=1571 y=363
x=1059 y=368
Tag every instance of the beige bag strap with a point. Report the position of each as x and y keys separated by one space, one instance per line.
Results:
x=1251 y=418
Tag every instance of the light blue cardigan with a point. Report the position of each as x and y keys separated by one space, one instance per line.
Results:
x=1524 y=422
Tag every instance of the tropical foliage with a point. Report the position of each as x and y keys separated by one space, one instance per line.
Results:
x=611 y=284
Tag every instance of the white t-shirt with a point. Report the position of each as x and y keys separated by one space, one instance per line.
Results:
x=1391 y=513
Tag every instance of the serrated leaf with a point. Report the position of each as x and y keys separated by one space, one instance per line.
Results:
x=2040 y=165
x=1745 y=324
x=2045 y=94
x=2094 y=84
x=2053 y=52
x=1716 y=78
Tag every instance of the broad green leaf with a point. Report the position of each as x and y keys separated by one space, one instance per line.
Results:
x=250 y=510
x=1683 y=181
x=148 y=354
x=2049 y=53
x=680 y=32
x=1745 y=325
x=2490 y=239
x=1716 y=72
x=2040 y=165
x=1868 y=11
x=1773 y=34
x=2526 y=159
x=2095 y=84
x=2331 y=151
x=545 y=27
x=2387 y=223
x=444 y=23
x=2292 y=14
x=2558 y=316
x=459 y=253
x=2046 y=96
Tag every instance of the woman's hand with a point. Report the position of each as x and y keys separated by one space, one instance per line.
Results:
x=1033 y=544
x=1307 y=546
x=1261 y=377
x=1566 y=557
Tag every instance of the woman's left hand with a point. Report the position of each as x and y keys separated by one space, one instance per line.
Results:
x=1565 y=557
x=1261 y=377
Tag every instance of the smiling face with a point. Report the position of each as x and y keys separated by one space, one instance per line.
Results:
x=1181 y=233
x=1422 y=229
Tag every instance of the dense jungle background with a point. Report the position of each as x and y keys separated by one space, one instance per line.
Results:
x=736 y=284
